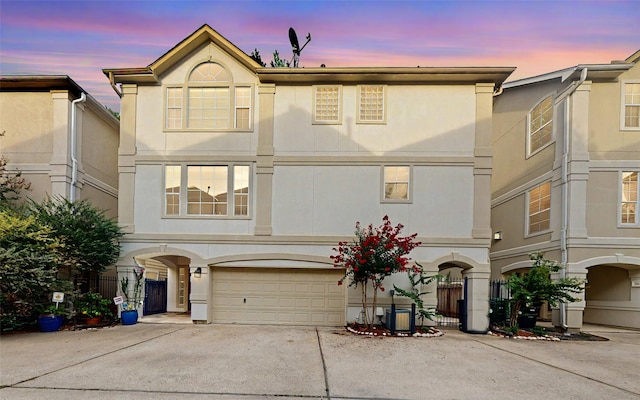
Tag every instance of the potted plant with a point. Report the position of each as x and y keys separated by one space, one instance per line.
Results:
x=92 y=307
x=51 y=318
x=529 y=290
x=132 y=297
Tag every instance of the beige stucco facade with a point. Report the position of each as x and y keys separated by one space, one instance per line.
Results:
x=39 y=138
x=309 y=182
x=589 y=150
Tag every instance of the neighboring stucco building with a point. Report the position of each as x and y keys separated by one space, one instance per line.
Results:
x=566 y=148
x=241 y=179
x=63 y=140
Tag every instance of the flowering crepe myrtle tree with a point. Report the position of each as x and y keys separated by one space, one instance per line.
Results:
x=374 y=254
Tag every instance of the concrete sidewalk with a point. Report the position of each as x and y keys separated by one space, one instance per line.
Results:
x=172 y=361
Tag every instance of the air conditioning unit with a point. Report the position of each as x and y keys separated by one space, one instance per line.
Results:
x=402 y=318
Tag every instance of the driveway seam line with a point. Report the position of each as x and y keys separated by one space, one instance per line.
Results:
x=558 y=368
x=93 y=358
x=324 y=366
x=295 y=396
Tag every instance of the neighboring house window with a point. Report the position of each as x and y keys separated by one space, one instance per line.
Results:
x=632 y=105
x=396 y=183
x=540 y=125
x=371 y=104
x=326 y=104
x=212 y=101
x=174 y=108
x=172 y=189
x=539 y=199
x=205 y=190
x=629 y=198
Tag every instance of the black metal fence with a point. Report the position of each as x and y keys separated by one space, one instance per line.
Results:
x=499 y=302
x=107 y=285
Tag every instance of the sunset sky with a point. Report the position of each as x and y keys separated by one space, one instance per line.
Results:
x=80 y=38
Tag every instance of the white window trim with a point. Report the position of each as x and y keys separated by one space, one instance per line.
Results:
x=383 y=199
x=182 y=213
x=232 y=101
x=528 y=128
x=383 y=121
x=623 y=104
x=619 y=213
x=528 y=234
x=324 y=122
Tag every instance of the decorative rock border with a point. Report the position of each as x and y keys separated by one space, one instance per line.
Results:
x=432 y=333
x=547 y=338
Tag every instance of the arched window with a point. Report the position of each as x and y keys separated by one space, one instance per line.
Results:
x=212 y=101
x=540 y=125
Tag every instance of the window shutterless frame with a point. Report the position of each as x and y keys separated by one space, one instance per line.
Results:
x=538 y=210
x=628 y=199
x=396 y=183
x=207 y=191
x=209 y=100
x=630 y=105
x=540 y=125
x=327 y=104
x=372 y=104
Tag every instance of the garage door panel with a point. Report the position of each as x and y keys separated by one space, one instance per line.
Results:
x=277 y=296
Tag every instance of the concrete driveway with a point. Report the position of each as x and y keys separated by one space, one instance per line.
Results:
x=164 y=361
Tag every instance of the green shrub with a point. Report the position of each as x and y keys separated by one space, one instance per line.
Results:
x=29 y=259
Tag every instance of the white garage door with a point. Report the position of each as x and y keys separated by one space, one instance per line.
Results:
x=278 y=296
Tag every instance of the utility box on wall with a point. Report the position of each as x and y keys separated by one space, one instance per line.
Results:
x=402 y=318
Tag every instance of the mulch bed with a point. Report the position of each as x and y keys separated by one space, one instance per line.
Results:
x=382 y=331
x=548 y=334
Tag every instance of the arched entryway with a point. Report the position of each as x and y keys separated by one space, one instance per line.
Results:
x=167 y=278
x=612 y=293
x=462 y=292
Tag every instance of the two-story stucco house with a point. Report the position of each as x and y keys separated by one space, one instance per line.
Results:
x=566 y=148
x=239 y=180
x=62 y=139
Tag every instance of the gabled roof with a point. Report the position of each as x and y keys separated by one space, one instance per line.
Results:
x=150 y=73
x=292 y=76
x=595 y=72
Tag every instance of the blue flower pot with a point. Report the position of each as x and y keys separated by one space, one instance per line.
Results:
x=129 y=317
x=50 y=323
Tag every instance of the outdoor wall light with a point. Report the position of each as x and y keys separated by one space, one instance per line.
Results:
x=497 y=235
x=197 y=273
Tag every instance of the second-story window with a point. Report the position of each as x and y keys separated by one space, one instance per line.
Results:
x=220 y=190
x=210 y=100
x=539 y=215
x=629 y=198
x=540 y=125
x=631 y=110
x=396 y=184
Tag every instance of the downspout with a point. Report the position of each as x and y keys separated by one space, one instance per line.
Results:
x=565 y=194
x=73 y=150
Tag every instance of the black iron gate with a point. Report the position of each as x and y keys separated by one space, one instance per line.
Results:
x=451 y=295
x=155 y=297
